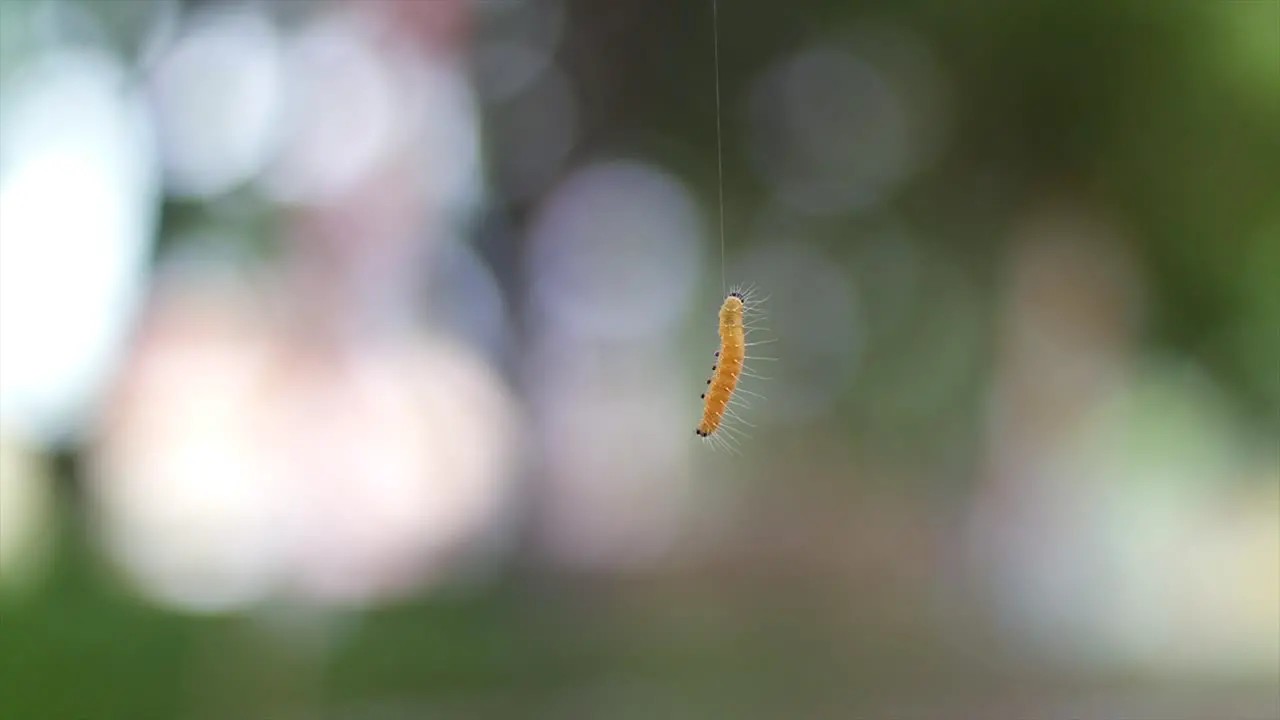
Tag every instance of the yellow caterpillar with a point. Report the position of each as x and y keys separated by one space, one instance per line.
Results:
x=730 y=364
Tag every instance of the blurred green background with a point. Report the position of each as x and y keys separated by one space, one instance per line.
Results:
x=349 y=353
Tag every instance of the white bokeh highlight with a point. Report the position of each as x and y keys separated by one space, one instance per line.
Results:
x=216 y=94
x=78 y=194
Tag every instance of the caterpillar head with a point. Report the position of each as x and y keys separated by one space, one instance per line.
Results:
x=731 y=310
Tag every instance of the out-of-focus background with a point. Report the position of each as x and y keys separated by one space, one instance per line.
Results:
x=350 y=355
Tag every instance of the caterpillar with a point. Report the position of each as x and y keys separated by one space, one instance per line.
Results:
x=730 y=366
